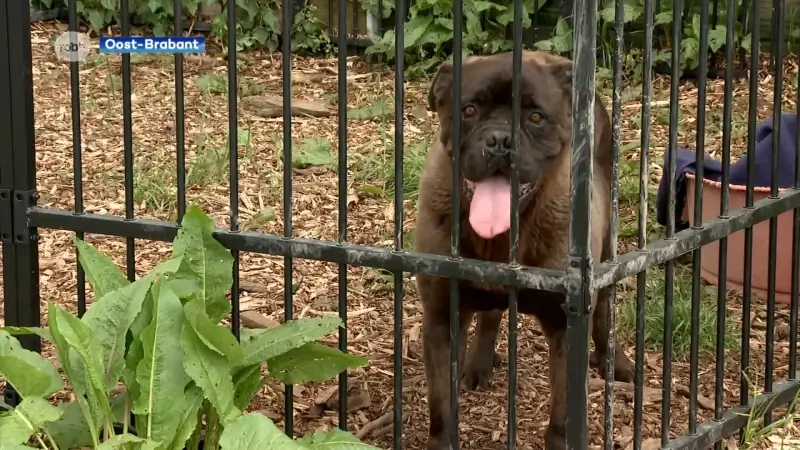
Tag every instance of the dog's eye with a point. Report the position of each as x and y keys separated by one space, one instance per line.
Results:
x=536 y=118
x=469 y=111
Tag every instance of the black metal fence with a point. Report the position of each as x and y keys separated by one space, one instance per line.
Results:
x=21 y=218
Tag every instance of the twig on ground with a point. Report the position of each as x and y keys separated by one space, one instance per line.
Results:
x=376 y=425
x=702 y=401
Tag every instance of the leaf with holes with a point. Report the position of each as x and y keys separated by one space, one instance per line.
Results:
x=110 y=318
x=204 y=261
x=312 y=362
x=160 y=374
x=261 y=346
x=210 y=370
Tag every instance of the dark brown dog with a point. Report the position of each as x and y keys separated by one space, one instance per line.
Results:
x=545 y=153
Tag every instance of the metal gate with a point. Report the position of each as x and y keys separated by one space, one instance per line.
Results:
x=21 y=218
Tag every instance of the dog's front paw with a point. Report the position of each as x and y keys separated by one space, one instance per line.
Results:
x=477 y=372
x=555 y=438
x=439 y=443
x=623 y=367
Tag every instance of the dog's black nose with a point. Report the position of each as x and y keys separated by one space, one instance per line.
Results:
x=499 y=141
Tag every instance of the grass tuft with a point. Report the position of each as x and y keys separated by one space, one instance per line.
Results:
x=681 y=318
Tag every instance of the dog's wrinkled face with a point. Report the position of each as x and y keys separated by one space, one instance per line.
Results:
x=486 y=147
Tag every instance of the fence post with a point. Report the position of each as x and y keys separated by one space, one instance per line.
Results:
x=18 y=176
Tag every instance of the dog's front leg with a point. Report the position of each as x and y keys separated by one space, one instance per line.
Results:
x=435 y=295
x=555 y=437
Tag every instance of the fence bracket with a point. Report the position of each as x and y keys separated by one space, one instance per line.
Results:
x=6 y=217
x=22 y=202
x=580 y=269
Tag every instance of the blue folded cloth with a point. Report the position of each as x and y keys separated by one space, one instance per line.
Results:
x=712 y=169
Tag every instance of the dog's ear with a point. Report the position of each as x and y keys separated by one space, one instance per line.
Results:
x=561 y=68
x=440 y=85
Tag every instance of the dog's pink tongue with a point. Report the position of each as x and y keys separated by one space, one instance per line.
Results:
x=490 y=210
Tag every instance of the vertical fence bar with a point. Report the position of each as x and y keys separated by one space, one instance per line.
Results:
x=669 y=269
x=180 y=133
x=579 y=270
x=795 y=255
x=398 y=12
x=616 y=131
x=25 y=308
x=9 y=250
x=727 y=111
x=288 y=283
x=697 y=223
x=777 y=100
x=747 y=291
x=745 y=23
x=233 y=163
x=641 y=277
x=455 y=225
x=342 y=181
x=77 y=151
x=127 y=140
x=513 y=234
x=399 y=186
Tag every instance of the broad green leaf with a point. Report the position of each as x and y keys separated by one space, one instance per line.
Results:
x=717 y=38
x=15 y=447
x=334 y=439
x=135 y=351
x=663 y=18
x=247 y=381
x=205 y=261
x=71 y=430
x=128 y=442
x=214 y=336
x=22 y=331
x=14 y=430
x=26 y=420
x=70 y=335
x=260 y=347
x=101 y=272
x=255 y=431
x=211 y=372
x=192 y=401
x=312 y=362
x=747 y=41
x=160 y=373
x=28 y=372
x=109 y=319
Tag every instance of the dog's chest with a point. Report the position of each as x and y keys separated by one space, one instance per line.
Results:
x=534 y=250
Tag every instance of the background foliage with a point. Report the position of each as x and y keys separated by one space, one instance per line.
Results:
x=428 y=29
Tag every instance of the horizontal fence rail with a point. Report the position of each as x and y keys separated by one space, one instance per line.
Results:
x=572 y=301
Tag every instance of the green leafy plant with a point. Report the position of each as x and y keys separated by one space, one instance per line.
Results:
x=428 y=33
x=155 y=349
x=257 y=21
